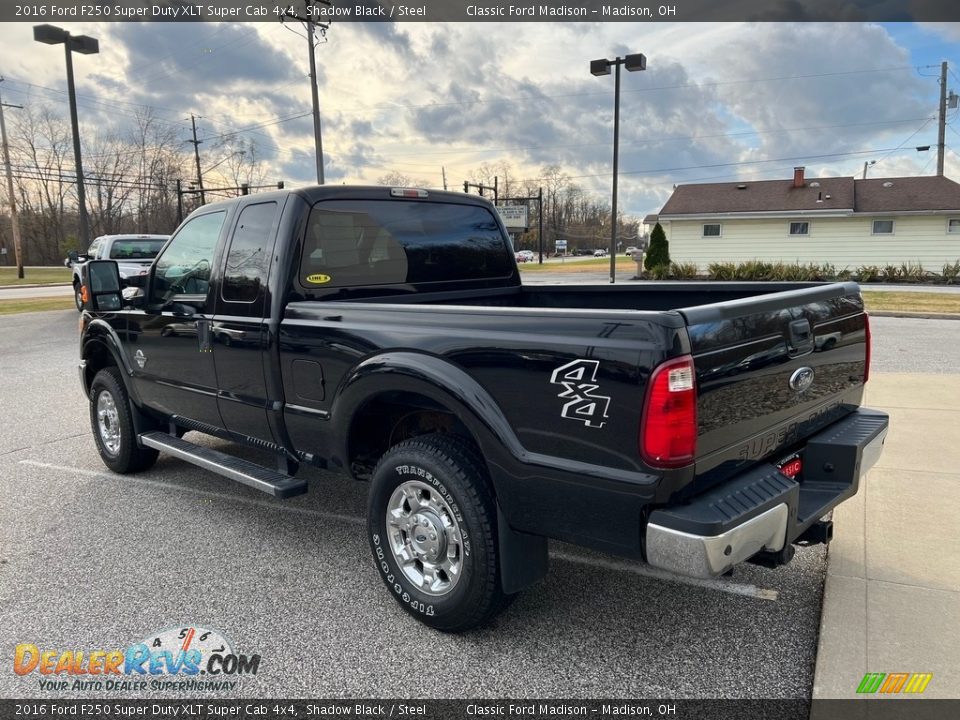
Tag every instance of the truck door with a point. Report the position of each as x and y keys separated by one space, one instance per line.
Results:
x=171 y=357
x=240 y=334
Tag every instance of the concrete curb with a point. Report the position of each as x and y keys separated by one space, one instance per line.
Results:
x=35 y=285
x=915 y=315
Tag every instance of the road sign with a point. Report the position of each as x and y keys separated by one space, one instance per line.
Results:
x=514 y=216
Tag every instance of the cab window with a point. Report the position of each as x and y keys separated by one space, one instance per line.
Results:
x=184 y=266
x=245 y=270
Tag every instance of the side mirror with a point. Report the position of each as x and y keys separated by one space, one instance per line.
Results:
x=100 y=286
x=73 y=256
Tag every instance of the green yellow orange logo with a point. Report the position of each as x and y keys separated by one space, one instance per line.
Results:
x=318 y=279
x=893 y=683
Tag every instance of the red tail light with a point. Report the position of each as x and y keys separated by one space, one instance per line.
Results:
x=668 y=428
x=866 y=360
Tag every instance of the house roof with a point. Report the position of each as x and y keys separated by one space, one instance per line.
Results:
x=651 y=219
x=903 y=194
x=907 y=194
x=762 y=196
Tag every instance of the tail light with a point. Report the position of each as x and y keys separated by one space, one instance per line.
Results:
x=668 y=427
x=866 y=360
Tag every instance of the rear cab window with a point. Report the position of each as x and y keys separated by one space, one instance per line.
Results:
x=389 y=242
x=136 y=249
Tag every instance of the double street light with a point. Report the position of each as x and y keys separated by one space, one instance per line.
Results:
x=85 y=45
x=632 y=63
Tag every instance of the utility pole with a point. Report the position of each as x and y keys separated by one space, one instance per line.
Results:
x=196 y=154
x=941 y=139
x=444 y=171
x=14 y=221
x=310 y=24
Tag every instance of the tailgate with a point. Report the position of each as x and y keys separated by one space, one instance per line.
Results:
x=772 y=370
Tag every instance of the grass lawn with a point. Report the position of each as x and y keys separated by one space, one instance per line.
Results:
x=912 y=301
x=624 y=264
x=35 y=276
x=21 y=305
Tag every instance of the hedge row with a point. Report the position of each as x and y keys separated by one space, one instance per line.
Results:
x=758 y=270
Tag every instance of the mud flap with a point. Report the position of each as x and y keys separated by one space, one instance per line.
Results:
x=523 y=558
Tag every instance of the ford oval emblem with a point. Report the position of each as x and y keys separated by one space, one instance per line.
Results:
x=802 y=379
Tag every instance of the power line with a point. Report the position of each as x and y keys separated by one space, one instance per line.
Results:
x=745 y=133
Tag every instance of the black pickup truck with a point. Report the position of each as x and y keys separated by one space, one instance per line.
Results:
x=385 y=333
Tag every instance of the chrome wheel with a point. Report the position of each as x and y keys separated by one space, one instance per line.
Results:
x=108 y=422
x=425 y=538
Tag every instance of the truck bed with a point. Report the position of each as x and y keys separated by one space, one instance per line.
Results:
x=743 y=338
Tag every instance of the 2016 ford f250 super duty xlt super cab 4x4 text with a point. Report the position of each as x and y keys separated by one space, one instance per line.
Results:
x=385 y=333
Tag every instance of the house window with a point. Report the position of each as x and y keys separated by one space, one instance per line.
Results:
x=711 y=230
x=953 y=226
x=883 y=227
x=799 y=228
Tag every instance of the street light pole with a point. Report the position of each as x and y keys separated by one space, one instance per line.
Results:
x=602 y=67
x=616 y=175
x=51 y=35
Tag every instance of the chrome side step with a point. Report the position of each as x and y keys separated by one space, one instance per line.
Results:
x=243 y=471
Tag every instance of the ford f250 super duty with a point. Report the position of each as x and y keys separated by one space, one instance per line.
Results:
x=385 y=333
x=133 y=254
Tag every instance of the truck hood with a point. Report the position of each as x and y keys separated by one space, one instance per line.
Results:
x=133 y=267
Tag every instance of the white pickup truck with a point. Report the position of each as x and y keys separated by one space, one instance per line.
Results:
x=133 y=254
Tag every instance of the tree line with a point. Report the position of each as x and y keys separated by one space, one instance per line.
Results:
x=130 y=179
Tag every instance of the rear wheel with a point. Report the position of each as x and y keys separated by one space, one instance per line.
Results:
x=112 y=425
x=432 y=525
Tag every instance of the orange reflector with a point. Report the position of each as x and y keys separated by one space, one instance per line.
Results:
x=84 y=295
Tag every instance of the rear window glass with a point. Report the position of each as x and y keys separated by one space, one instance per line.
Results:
x=138 y=249
x=382 y=242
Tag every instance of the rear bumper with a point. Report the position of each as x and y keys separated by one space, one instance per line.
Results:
x=763 y=510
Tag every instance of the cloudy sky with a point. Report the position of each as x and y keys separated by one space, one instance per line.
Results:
x=717 y=101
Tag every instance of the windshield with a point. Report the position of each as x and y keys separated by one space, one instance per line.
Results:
x=135 y=249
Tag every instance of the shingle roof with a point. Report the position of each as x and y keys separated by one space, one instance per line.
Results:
x=907 y=194
x=904 y=194
x=762 y=196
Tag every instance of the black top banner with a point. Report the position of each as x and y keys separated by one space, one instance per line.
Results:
x=581 y=11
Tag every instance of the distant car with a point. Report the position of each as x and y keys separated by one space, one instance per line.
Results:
x=600 y=253
x=631 y=250
x=526 y=256
x=133 y=254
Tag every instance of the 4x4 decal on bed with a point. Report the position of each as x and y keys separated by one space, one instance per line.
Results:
x=578 y=379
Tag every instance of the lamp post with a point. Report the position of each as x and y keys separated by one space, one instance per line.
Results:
x=85 y=45
x=598 y=68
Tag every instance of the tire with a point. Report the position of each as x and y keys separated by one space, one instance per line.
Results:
x=448 y=480
x=77 y=300
x=115 y=437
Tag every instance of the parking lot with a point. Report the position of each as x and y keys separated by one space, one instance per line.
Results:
x=89 y=559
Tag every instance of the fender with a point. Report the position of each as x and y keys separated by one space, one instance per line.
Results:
x=434 y=378
x=100 y=332
x=524 y=558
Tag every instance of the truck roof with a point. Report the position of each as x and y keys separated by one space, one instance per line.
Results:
x=315 y=193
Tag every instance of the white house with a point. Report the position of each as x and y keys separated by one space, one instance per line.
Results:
x=841 y=220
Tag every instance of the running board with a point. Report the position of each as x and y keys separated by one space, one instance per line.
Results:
x=243 y=471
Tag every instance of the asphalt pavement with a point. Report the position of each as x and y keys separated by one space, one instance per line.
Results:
x=89 y=559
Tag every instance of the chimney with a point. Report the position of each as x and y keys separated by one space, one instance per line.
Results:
x=798 y=181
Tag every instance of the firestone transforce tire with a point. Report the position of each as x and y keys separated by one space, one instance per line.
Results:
x=112 y=426
x=431 y=520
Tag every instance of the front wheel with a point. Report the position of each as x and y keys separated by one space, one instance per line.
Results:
x=112 y=425
x=432 y=525
x=78 y=297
